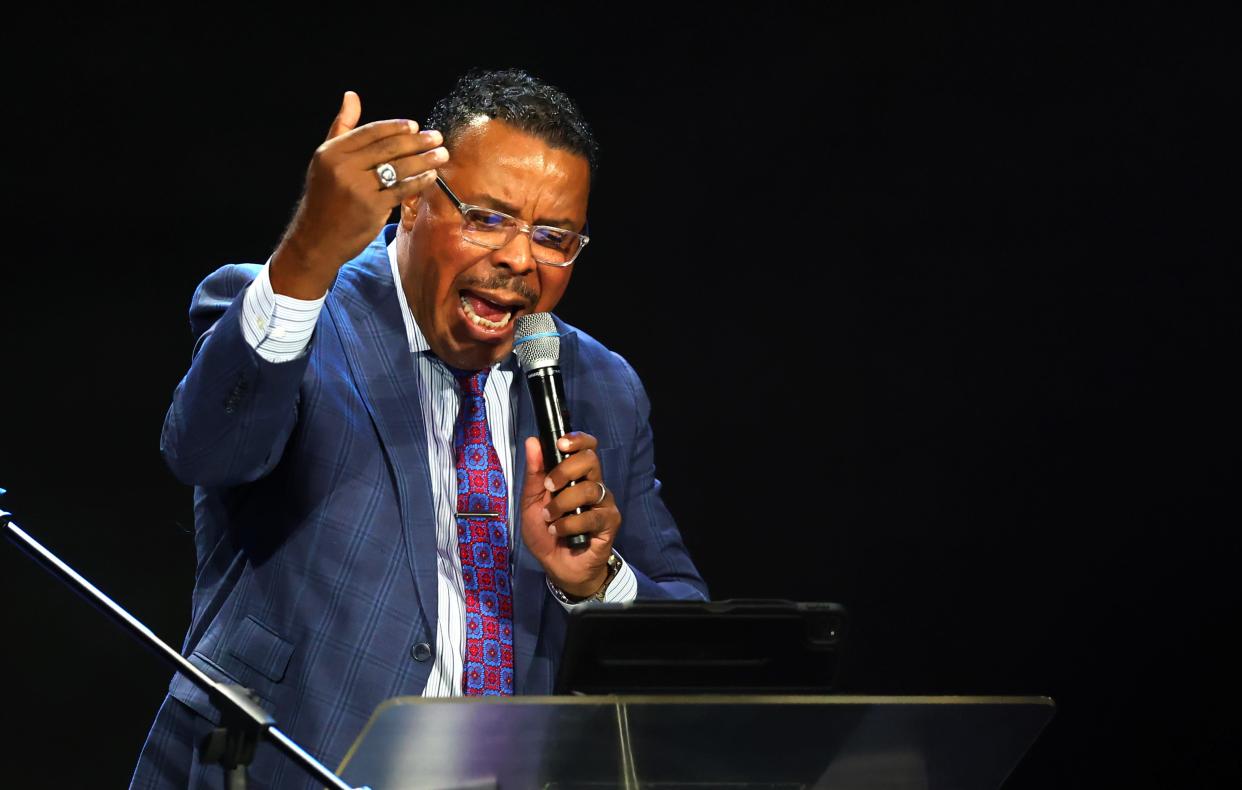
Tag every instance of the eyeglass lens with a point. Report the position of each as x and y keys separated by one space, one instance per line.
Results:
x=490 y=229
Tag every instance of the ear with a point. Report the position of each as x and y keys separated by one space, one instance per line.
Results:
x=409 y=210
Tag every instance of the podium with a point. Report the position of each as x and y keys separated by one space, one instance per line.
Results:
x=700 y=741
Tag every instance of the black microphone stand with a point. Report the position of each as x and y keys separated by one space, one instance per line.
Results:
x=243 y=721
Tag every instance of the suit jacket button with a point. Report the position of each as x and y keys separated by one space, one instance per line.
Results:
x=421 y=651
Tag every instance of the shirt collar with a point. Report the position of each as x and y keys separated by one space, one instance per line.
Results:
x=418 y=343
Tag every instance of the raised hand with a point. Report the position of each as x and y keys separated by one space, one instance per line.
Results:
x=344 y=204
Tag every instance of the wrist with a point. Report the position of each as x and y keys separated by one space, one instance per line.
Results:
x=592 y=589
x=586 y=589
x=295 y=272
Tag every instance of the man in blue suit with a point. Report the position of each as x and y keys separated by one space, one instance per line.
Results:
x=321 y=423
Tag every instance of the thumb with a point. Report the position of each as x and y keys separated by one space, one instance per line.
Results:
x=532 y=486
x=347 y=117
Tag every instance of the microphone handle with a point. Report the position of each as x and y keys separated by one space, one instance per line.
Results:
x=552 y=419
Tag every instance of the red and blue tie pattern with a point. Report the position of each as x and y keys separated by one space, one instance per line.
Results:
x=483 y=545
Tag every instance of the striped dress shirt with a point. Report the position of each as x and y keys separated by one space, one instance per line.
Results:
x=279 y=329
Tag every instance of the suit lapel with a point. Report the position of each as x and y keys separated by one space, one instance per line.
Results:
x=378 y=353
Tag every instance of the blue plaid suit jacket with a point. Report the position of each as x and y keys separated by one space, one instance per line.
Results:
x=314 y=528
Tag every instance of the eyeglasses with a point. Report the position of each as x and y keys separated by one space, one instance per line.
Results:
x=494 y=229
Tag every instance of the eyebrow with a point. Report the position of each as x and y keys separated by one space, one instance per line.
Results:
x=558 y=222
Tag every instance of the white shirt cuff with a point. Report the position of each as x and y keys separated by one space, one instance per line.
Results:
x=277 y=327
x=622 y=589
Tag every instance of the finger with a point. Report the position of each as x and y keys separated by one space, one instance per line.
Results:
x=591 y=523
x=585 y=495
x=582 y=465
x=576 y=441
x=409 y=166
x=369 y=133
x=347 y=117
x=420 y=163
x=398 y=146
x=532 y=486
x=408 y=187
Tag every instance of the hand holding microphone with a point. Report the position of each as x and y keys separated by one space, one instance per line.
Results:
x=570 y=500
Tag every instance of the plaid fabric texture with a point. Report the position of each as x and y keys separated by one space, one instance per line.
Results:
x=315 y=528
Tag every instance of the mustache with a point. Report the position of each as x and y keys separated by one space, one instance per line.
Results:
x=509 y=284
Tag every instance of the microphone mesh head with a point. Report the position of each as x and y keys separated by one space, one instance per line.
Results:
x=536 y=341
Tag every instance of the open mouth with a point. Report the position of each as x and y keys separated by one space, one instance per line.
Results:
x=485 y=313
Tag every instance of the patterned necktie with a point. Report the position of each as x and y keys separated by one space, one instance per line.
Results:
x=483 y=545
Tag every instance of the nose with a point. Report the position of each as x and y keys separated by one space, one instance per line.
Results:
x=517 y=254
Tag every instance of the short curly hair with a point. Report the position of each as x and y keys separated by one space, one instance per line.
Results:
x=521 y=100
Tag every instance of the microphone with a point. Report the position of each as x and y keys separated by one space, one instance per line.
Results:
x=538 y=348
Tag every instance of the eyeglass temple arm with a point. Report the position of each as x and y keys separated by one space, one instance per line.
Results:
x=449 y=192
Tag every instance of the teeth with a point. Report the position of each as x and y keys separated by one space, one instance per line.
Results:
x=480 y=320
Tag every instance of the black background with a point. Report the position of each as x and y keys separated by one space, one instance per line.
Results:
x=925 y=298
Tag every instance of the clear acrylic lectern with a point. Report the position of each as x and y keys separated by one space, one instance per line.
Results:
x=681 y=742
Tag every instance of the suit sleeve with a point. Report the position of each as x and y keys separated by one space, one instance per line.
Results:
x=234 y=411
x=649 y=539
